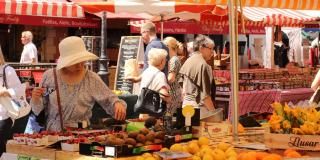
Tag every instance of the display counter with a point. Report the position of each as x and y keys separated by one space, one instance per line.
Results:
x=52 y=154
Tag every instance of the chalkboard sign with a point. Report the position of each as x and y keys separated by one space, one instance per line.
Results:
x=92 y=44
x=131 y=47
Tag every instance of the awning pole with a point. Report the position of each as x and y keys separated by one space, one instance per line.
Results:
x=161 y=27
x=233 y=32
x=103 y=59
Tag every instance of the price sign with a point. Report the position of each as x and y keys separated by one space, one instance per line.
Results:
x=188 y=112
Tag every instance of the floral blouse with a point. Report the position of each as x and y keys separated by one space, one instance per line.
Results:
x=76 y=100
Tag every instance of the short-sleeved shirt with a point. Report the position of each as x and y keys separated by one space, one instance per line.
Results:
x=29 y=52
x=156 y=78
x=155 y=43
x=76 y=100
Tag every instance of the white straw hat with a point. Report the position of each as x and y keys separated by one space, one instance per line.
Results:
x=72 y=51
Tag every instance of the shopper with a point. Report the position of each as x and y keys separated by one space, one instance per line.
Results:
x=152 y=78
x=29 y=53
x=13 y=87
x=78 y=88
x=196 y=76
x=149 y=36
x=173 y=75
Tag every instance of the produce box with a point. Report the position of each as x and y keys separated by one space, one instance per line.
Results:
x=209 y=129
x=293 y=141
x=97 y=149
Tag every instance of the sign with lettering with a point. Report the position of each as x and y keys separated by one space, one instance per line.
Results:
x=299 y=142
x=131 y=47
x=50 y=21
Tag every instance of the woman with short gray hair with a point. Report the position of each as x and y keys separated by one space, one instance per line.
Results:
x=196 y=76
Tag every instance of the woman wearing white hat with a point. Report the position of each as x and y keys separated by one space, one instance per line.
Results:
x=78 y=89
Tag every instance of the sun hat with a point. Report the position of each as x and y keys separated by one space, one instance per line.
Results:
x=72 y=51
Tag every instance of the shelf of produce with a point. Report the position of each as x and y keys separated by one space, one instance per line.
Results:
x=63 y=155
x=39 y=152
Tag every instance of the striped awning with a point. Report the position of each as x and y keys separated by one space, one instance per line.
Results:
x=48 y=8
x=282 y=4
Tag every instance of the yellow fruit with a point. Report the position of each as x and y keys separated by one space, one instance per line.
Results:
x=185 y=148
x=140 y=158
x=232 y=158
x=231 y=154
x=157 y=157
x=208 y=156
x=164 y=149
x=250 y=156
x=146 y=155
x=203 y=141
x=218 y=154
x=240 y=128
x=293 y=154
x=205 y=146
x=150 y=158
x=203 y=151
x=176 y=147
x=230 y=149
x=196 y=158
x=193 y=148
x=223 y=146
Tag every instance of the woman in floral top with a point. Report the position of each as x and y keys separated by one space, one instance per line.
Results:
x=79 y=89
x=173 y=76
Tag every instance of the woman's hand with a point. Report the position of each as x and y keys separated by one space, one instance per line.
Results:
x=119 y=111
x=37 y=93
x=171 y=77
x=4 y=93
x=133 y=79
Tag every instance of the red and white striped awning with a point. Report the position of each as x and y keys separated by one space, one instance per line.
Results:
x=48 y=8
x=283 y=4
x=274 y=16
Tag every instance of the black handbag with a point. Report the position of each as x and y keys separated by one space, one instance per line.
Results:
x=149 y=102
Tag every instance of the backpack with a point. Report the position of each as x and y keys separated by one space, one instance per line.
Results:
x=16 y=108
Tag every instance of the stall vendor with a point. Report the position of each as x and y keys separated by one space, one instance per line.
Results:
x=78 y=88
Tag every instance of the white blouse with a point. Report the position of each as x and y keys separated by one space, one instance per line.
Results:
x=14 y=85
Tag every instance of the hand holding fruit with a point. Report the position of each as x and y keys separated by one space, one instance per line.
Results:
x=119 y=111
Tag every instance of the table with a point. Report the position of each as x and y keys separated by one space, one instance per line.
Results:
x=260 y=100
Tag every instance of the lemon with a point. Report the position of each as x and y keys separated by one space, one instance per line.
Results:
x=146 y=155
x=176 y=147
x=203 y=141
x=193 y=148
x=208 y=156
x=223 y=146
x=140 y=158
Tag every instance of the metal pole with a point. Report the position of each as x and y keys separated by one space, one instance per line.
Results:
x=233 y=32
x=103 y=59
x=161 y=27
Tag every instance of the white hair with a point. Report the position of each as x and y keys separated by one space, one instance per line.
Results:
x=28 y=34
x=156 y=56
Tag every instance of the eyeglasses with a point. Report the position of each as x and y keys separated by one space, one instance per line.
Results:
x=211 y=49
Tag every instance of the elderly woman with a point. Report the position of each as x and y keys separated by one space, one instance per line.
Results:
x=152 y=78
x=197 y=78
x=77 y=89
x=173 y=76
x=13 y=86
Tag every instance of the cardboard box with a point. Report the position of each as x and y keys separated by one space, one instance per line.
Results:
x=299 y=142
x=209 y=129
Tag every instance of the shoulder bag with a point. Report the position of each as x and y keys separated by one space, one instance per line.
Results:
x=149 y=101
x=16 y=108
x=58 y=97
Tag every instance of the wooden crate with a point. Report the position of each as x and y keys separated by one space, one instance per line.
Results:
x=299 y=142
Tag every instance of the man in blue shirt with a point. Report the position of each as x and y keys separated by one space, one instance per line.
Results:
x=149 y=36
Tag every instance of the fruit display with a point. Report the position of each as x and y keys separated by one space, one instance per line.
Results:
x=294 y=120
x=200 y=150
x=260 y=155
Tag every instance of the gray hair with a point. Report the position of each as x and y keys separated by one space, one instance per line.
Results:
x=149 y=26
x=28 y=34
x=201 y=41
x=156 y=55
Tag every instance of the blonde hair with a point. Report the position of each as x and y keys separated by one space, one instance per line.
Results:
x=156 y=56
x=28 y=34
x=171 y=42
x=2 y=61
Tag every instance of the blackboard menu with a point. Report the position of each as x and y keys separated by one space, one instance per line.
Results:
x=131 y=47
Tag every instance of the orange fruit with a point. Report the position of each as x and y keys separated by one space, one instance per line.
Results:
x=285 y=153
x=272 y=157
x=261 y=155
x=293 y=154
x=203 y=141
x=193 y=148
x=250 y=156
